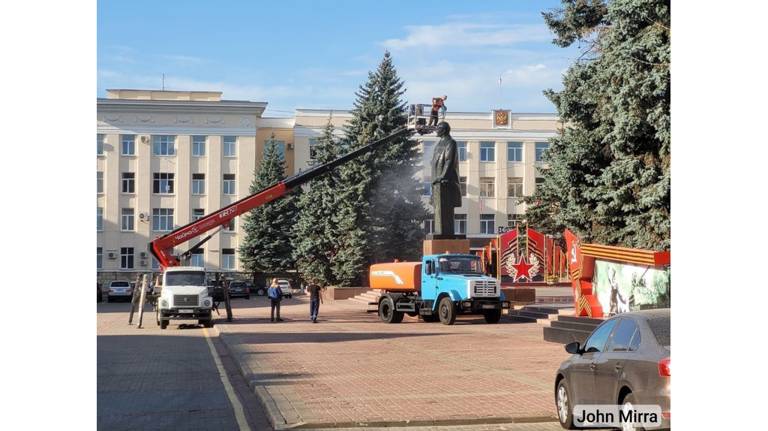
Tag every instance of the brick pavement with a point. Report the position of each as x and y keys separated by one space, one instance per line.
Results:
x=352 y=370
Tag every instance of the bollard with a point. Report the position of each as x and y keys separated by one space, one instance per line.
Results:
x=142 y=298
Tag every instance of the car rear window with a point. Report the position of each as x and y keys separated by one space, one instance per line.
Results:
x=660 y=328
x=119 y=284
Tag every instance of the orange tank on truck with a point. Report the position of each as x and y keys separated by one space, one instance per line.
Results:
x=396 y=276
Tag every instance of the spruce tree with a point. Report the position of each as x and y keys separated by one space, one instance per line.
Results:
x=315 y=235
x=609 y=169
x=379 y=198
x=268 y=228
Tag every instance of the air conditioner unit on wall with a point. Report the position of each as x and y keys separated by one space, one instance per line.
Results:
x=112 y=255
x=144 y=139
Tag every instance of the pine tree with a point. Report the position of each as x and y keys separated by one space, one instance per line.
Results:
x=379 y=198
x=315 y=235
x=268 y=228
x=609 y=169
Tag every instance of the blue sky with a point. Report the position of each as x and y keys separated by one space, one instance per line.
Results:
x=312 y=54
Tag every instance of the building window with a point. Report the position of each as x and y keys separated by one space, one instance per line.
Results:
x=99 y=144
x=198 y=146
x=514 y=220
x=155 y=264
x=128 y=145
x=197 y=258
x=230 y=146
x=127 y=183
x=487 y=222
x=514 y=151
x=162 y=183
x=99 y=258
x=426 y=188
x=126 y=219
x=313 y=148
x=229 y=184
x=461 y=146
x=515 y=187
x=126 y=257
x=162 y=219
x=197 y=214
x=463 y=185
x=99 y=182
x=486 y=187
x=198 y=184
x=487 y=151
x=280 y=146
x=163 y=145
x=541 y=147
x=230 y=227
x=228 y=258
x=99 y=218
x=429 y=226
x=460 y=224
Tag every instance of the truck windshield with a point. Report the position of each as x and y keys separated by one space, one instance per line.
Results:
x=185 y=278
x=460 y=265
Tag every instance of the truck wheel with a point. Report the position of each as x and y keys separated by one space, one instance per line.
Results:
x=163 y=324
x=206 y=323
x=447 y=311
x=387 y=311
x=492 y=316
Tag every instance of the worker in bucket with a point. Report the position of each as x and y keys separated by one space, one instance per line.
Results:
x=315 y=299
x=438 y=106
x=275 y=295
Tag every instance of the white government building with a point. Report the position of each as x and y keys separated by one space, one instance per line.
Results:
x=165 y=158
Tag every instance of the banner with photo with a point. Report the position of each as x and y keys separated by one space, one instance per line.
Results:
x=622 y=288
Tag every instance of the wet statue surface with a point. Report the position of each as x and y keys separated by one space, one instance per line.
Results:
x=446 y=191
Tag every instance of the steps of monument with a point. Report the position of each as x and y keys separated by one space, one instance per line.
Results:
x=564 y=336
x=583 y=326
x=580 y=319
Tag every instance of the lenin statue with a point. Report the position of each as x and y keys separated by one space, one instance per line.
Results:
x=446 y=192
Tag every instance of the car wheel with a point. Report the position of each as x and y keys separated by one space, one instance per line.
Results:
x=163 y=323
x=492 y=316
x=447 y=311
x=248 y=297
x=261 y=291
x=109 y=299
x=290 y=296
x=563 y=405
x=626 y=405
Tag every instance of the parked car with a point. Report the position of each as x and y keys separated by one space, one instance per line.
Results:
x=119 y=290
x=286 y=287
x=240 y=289
x=624 y=362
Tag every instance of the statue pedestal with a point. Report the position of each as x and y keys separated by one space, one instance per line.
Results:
x=446 y=245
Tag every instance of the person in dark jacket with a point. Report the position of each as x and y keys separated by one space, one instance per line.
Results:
x=315 y=299
x=275 y=295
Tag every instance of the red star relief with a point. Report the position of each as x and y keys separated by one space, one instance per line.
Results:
x=522 y=267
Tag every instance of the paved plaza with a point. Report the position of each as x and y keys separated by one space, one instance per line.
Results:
x=347 y=371
x=351 y=369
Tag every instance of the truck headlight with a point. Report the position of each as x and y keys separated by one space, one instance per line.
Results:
x=164 y=303
x=206 y=302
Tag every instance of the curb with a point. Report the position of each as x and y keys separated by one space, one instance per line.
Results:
x=280 y=422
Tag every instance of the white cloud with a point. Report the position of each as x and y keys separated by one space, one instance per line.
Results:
x=468 y=35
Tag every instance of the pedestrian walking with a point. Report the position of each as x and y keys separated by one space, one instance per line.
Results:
x=275 y=295
x=315 y=299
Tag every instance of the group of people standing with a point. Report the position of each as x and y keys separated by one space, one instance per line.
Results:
x=275 y=294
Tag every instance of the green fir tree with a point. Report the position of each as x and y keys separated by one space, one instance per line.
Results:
x=609 y=169
x=315 y=234
x=379 y=202
x=268 y=228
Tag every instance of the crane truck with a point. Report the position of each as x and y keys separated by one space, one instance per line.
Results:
x=440 y=287
x=184 y=294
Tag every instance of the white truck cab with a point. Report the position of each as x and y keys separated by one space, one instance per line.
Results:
x=185 y=296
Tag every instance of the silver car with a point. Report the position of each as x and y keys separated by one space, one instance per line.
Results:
x=624 y=362
x=119 y=289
